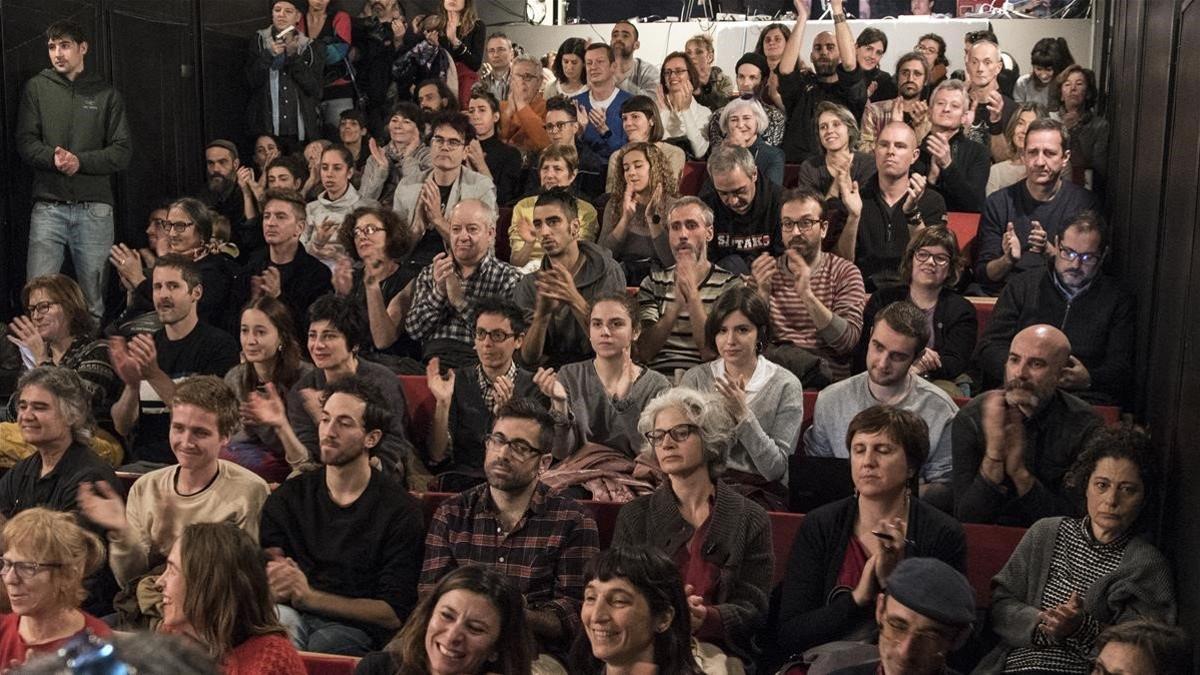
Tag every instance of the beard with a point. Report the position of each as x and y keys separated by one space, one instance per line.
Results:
x=1021 y=393
x=515 y=481
x=340 y=456
x=824 y=67
x=218 y=183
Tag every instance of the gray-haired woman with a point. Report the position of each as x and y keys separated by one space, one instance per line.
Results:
x=720 y=540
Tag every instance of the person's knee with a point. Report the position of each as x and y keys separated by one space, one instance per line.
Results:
x=291 y=620
x=339 y=639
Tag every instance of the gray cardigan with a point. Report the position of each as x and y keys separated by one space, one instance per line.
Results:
x=1141 y=587
x=597 y=417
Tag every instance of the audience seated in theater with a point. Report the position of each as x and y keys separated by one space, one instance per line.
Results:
x=498 y=78
x=1144 y=647
x=745 y=207
x=434 y=95
x=377 y=276
x=223 y=194
x=558 y=167
x=215 y=591
x=740 y=120
x=683 y=117
x=641 y=123
x=929 y=272
x=1019 y=220
x=337 y=332
x=270 y=367
x=283 y=270
x=845 y=552
x=713 y=88
x=838 y=134
x=933 y=47
x=201 y=489
x=835 y=77
x=541 y=541
x=926 y=613
x=1070 y=578
x=898 y=338
x=345 y=540
x=442 y=316
x=574 y=390
x=424 y=201
x=557 y=298
x=1050 y=57
x=404 y=155
x=150 y=365
x=636 y=213
x=887 y=211
x=635 y=593
x=285 y=173
x=338 y=200
x=912 y=72
x=956 y=166
x=1072 y=285
x=570 y=75
x=352 y=133
x=753 y=78
x=816 y=298
x=772 y=42
x=58 y=330
x=720 y=540
x=993 y=107
x=468 y=397
x=1013 y=448
x=472 y=623
x=631 y=73
x=673 y=304
x=764 y=399
x=487 y=154
x=523 y=111
x=312 y=160
x=1087 y=130
x=869 y=48
x=47 y=556
x=600 y=106
x=1012 y=170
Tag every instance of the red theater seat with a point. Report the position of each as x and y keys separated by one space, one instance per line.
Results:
x=420 y=404
x=965 y=227
x=693 y=177
x=328 y=664
x=983 y=311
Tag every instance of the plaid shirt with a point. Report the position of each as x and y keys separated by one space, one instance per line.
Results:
x=433 y=317
x=488 y=388
x=544 y=555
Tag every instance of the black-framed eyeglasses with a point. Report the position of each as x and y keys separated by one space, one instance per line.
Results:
x=367 y=230
x=176 y=226
x=496 y=336
x=520 y=448
x=558 y=126
x=675 y=72
x=452 y=143
x=1071 y=255
x=803 y=226
x=25 y=570
x=678 y=433
x=939 y=259
x=926 y=642
x=158 y=222
x=39 y=308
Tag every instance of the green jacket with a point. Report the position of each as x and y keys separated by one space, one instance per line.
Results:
x=86 y=117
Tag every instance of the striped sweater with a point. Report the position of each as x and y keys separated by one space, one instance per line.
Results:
x=838 y=284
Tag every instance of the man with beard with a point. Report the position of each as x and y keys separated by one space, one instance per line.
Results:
x=632 y=74
x=223 y=194
x=802 y=90
x=1020 y=219
x=150 y=365
x=745 y=209
x=673 y=304
x=911 y=76
x=898 y=337
x=345 y=541
x=816 y=297
x=1013 y=448
x=514 y=523
x=1070 y=285
x=955 y=165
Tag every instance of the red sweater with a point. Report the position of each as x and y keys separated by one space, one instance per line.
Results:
x=264 y=655
x=14 y=650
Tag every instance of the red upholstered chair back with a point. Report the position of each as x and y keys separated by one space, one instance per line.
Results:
x=693 y=177
x=328 y=664
x=421 y=405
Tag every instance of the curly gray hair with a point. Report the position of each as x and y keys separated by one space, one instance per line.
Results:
x=705 y=410
x=73 y=397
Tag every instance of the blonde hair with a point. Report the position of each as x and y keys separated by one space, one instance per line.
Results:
x=54 y=537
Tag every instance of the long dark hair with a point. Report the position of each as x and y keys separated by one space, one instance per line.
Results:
x=657 y=579
x=286 y=371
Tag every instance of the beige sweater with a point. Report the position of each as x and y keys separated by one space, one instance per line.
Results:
x=157 y=515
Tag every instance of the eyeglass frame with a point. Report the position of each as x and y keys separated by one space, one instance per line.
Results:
x=678 y=433
x=31 y=569
x=368 y=230
x=558 y=126
x=803 y=226
x=481 y=335
x=1086 y=259
x=177 y=226
x=40 y=308
x=939 y=259
x=921 y=638
x=451 y=143
x=523 y=454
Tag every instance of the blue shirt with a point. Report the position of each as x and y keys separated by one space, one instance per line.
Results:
x=614 y=139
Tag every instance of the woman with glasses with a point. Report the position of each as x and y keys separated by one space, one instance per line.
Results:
x=844 y=552
x=929 y=271
x=558 y=167
x=404 y=154
x=838 y=133
x=570 y=77
x=610 y=419
x=683 y=117
x=751 y=77
x=764 y=398
x=741 y=120
x=715 y=88
x=47 y=555
x=635 y=218
x=642 y=124
x=720 y=540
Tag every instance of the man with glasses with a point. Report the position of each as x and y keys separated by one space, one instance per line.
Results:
x=523 y=109
x=816 y=297
x=561 y=126
x=886 y=212
x=514 y=524
x=426 y=200
x=1072 y=292
x=467 y=398
x=745 y=210
x=442 y=316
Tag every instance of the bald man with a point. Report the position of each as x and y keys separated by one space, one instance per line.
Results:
x=895 y=206
x=992 y=107
x=1013 y=447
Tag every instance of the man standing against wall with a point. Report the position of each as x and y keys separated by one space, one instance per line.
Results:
x=71 y=131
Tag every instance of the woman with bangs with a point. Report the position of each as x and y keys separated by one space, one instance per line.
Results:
x=636 y=215
x=642 y=123
x=404 y=155
x=683 y=117
x=570 y=77
x=715 y=88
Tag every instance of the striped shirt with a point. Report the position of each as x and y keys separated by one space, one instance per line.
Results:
x=838 y=284
x=655 y=296
x=1078 y=562
x=433 y=316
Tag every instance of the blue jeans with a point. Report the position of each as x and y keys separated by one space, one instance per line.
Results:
x=87 y=229
x=313 y=633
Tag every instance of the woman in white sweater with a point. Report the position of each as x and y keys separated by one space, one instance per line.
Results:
x=683 y=117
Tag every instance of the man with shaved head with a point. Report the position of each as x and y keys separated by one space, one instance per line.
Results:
x=1013 y=447
x=895 y=206
x=992 y=106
